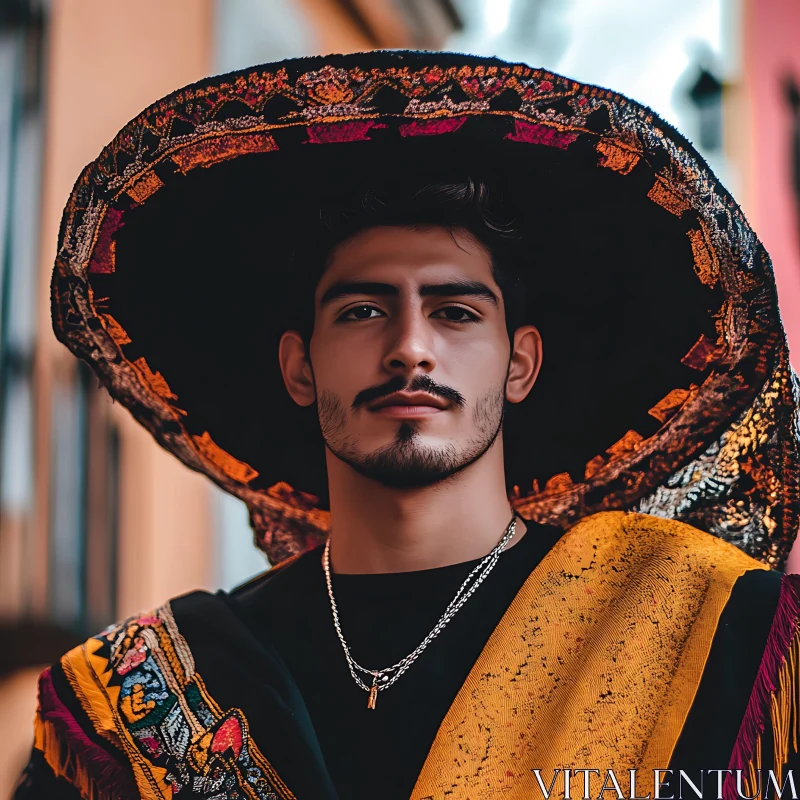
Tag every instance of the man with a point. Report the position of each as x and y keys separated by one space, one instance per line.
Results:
x=523 y=338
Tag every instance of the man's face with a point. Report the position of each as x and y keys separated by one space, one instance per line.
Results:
x=409 y=354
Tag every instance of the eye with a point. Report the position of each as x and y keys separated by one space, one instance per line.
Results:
x=457 y=314
x=359 y=313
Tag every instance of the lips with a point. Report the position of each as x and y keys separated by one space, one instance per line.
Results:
x=414 y=399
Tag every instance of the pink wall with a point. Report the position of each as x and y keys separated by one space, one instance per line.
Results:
x=771 y=31
x=771 y=38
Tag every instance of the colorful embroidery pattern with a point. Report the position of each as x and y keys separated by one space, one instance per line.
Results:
x=137 y=683
x=732 y=469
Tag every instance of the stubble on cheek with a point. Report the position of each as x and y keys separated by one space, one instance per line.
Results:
x=488 y=412
x=332 y=416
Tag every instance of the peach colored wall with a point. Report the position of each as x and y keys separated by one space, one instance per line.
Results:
x=165 y=539
x=18 y=701
x=335 y=32
x=771 y=30
x=107 y=61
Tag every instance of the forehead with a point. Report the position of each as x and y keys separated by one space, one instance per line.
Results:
x=408 y=256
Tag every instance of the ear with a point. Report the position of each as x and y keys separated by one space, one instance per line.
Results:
x=296 y=369
x=526 y=361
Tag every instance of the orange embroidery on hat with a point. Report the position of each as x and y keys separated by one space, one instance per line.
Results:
x=286 y=493
x=593 y=467
x=115 y=330
x=559 y=483
x=616 y=156
x=701 y=354
x=232 y=467
x=624 y=445
x=668 y=406
x=148 y=184
x=155 y=380
x=668 y=198
x=326 y=86
x=221 y=148
x=706 y=263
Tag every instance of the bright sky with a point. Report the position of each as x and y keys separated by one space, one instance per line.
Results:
x=637 y=47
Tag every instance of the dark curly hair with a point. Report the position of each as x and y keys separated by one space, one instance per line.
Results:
x=457 y=203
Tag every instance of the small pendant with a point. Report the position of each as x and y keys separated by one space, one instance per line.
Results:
x=373 y=692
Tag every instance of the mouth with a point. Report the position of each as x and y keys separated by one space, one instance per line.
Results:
x=404 y=405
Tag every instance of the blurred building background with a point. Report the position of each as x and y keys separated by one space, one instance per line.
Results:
x=96 y=521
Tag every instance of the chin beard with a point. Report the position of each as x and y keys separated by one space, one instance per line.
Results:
x=407 y=463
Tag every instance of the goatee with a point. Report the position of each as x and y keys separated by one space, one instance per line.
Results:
x=407 y=463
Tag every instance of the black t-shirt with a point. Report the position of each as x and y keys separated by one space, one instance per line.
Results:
x=380 y=753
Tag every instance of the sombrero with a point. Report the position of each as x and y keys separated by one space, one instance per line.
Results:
x=666 y=386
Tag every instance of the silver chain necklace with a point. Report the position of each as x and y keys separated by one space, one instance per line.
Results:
x=384 y=678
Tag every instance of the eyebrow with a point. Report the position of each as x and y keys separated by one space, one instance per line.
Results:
x=458 y=288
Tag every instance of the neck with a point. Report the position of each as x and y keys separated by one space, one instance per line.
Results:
x=376 y=529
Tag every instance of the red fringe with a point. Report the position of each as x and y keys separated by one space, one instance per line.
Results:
x=762 y=707
x=72 y=755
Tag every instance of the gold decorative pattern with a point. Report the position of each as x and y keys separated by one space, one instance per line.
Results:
x=642 y=592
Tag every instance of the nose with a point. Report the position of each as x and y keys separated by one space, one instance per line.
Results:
x=411 y=346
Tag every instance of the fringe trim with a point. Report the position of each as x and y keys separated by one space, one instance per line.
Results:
x=776 y=693
x=67 y=764
x=100 y=728
x=71 y=754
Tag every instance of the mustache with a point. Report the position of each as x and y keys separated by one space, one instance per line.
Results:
x=421 y=383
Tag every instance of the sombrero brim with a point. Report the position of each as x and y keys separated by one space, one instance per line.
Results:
x=655 y=300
